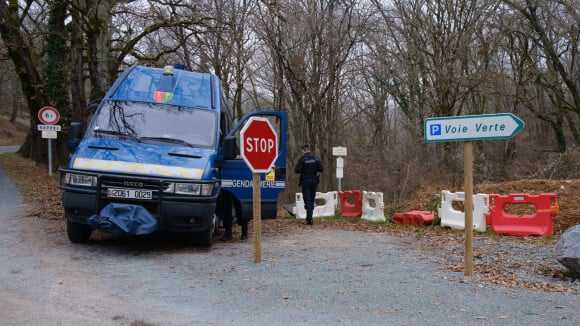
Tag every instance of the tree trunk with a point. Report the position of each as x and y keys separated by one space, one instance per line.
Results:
x=30 y=81
x=78 y=94
x=15 y=100
x=573 y=129
x=558 y=127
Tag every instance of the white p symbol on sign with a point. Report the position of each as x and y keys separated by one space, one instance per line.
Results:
x=435 y=129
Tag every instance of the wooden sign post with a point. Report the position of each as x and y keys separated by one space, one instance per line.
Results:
x=259 y=151
x=257 y=223
x=468 y=128
x=468 y=205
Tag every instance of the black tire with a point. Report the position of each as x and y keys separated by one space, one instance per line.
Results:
x=78 y=233
x=205 y=238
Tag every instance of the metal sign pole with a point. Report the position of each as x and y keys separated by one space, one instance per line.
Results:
x=49 y=157
x=339 y=171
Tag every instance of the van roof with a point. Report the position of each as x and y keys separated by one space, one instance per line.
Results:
x=144 y=84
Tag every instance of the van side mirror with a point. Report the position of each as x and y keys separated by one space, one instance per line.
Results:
x=74 y=135
x=230 y=148
x=93 y=105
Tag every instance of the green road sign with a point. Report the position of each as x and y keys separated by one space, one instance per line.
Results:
x=472 y=127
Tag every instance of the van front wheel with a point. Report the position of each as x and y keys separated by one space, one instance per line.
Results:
x=205 y=238
x=78 y=233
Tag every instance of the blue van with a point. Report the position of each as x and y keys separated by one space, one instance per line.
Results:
x=161 y=154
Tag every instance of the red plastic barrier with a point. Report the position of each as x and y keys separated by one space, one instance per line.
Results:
x=416 y=218
x=539 y=223
x=351 y=203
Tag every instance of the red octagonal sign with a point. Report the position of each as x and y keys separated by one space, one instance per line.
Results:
x=259 y=144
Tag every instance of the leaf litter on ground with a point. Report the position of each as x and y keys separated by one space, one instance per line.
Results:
x=507 y=261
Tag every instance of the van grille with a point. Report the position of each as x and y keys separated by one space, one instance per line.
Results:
x=113 y=182
x=132 y=183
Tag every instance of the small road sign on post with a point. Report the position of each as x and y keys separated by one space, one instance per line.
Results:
x=49 y=116
x=340 y=152
x=259 y=151
x=468 y=128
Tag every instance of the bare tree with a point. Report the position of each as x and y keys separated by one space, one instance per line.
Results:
x=226 y=47
x=311 y=44
x=553 y=27
x=437 y=53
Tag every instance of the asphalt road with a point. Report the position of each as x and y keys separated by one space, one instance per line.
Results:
x=8 y=149
x=313 y=277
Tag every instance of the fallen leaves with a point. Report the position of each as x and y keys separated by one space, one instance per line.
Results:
x=35 y=185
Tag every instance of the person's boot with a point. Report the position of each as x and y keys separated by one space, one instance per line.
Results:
x=309 y=219
x=227 y=235
x=244 y=235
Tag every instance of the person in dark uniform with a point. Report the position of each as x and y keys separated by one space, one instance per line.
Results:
x=308 y=167
x=226 y=209
x=225 y=206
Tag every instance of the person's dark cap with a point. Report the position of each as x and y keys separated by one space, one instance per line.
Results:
x=305 y=147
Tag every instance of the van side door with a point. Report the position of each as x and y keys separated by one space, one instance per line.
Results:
x=236 y=176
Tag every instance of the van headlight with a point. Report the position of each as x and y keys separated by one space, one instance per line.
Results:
x=194 y=189
x=82 y=180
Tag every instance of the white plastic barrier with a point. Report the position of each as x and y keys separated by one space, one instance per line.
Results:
x=320 y=210
x=370 y=213
x=456 y=219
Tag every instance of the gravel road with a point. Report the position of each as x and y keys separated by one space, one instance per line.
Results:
x=312 y=277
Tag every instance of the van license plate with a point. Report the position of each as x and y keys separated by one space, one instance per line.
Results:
x=130 y=193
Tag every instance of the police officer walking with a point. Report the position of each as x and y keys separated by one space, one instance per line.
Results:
x=308 y=167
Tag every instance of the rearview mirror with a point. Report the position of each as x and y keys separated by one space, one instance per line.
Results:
x=93 y=105
x=230 y=148
x=74 y=134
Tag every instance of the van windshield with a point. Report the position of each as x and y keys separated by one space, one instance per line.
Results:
x=155 y=123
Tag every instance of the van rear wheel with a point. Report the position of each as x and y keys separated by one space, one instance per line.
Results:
x=78 y=233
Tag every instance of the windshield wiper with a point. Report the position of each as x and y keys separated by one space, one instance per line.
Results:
x=116 y=133
x=167 y=140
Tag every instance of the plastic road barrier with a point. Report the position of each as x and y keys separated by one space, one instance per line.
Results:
x=455 y=219
x=539 y=223
x=328 y=208
x=374 y=213
x=351 y=203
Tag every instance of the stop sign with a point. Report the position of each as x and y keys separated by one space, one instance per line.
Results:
x=259 y=144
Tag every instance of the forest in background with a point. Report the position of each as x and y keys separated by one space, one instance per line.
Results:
x=358 y=74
